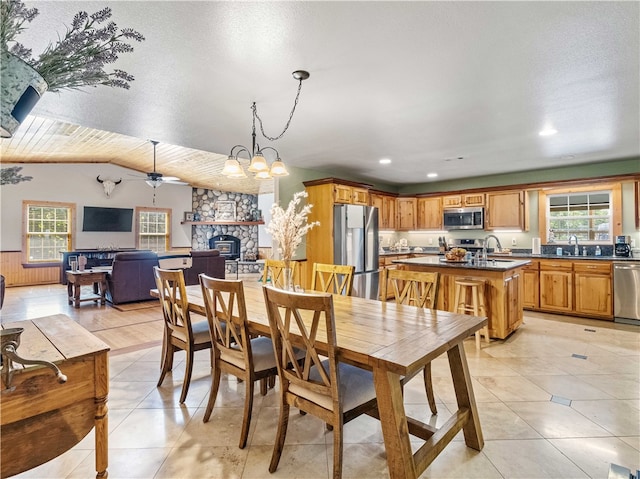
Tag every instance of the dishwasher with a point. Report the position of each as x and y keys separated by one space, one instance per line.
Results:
x=626 y=293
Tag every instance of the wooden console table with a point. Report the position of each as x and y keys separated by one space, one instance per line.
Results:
x=41 y=418
x=77 y=279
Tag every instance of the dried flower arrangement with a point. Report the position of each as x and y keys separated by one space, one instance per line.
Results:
x=289 y=226
x=77 y=59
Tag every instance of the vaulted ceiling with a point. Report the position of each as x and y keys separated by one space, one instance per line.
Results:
x=455 y=88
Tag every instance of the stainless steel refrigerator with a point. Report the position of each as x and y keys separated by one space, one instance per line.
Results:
x=355 y=230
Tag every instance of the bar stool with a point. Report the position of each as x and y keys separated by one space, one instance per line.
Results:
x=474 y=303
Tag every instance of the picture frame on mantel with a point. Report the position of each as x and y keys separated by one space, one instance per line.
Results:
x=226 y=211
x=188 y=216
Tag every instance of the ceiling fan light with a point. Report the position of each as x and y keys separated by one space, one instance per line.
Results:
x=258 y=163
x=154 y=183
x=278 y=168
x=263 y=175
x=232 y=167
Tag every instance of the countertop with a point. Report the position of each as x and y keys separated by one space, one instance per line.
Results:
x=500 y=264
x=426 y=252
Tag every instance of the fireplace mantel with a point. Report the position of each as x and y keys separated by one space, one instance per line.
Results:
x=235 y=223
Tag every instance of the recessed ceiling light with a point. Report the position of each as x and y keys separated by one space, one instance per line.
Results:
x=385 y=161
x=432 y=175
x=548 y=131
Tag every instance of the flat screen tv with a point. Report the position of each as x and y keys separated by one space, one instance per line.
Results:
x=107 y=219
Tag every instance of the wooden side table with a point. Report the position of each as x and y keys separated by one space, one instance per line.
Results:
x=42 y=418
x=77 y=279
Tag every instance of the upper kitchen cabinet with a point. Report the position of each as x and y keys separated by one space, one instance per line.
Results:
x=407 y=213
x=463 y=200
x=430 y=213
x=386 y=205
x=351 y=195
x=506 y=210
x=341 y=191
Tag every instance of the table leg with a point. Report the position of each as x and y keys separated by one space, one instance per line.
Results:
x=103 y=291
x=76 y=295
x=395 y=429
x=70 y=291
x=464 y=395
x=102 y=416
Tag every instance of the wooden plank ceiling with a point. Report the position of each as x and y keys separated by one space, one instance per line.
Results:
x=44 y=140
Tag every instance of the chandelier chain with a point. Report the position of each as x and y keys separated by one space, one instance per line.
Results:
x=286 y=127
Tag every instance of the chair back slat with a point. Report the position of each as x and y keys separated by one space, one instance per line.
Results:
x=227 y=315
x=416 y=288
x=332 y=278
x=173 y=299
x=299 y=321
x=274 y=269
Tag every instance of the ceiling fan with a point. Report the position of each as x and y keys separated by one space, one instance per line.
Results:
x=155 y=179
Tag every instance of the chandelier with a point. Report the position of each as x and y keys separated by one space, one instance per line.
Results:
x=259 y=166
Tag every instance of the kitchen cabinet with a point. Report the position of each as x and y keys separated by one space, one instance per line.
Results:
x=506 y=210
x=463 y=200
x=578 y=287
x=407 y=212
x=556 y=286
x=531 y=289
x=430 y=213
x=351 y=195
x=593 y=287
x=386 y=205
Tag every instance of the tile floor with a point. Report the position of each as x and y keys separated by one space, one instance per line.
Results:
x=544 y=412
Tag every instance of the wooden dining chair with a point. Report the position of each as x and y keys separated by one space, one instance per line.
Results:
x=333 y=391
x=415 y=288
x=235 y=352
x=180 y=333
x=332 y=278
x=274 y=269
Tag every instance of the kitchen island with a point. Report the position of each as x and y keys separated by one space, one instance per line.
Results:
x=503 y=292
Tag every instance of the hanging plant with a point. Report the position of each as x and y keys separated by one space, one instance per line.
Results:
x=79 y=57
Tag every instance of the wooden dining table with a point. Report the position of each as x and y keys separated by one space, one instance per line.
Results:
x=393 y=341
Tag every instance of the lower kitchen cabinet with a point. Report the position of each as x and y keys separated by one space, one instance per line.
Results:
x=579 y=288
x=556 y=286
x=593 y=287
x=531 y=289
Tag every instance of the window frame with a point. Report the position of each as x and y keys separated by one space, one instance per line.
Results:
x=615 y=204
x=71 y=234
x=145 y=209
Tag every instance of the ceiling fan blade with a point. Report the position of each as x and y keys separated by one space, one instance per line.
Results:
x=170 y=178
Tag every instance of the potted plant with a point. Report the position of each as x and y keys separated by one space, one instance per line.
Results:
x=76 y=60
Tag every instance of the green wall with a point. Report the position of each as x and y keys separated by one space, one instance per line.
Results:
x=292 y=183
x=591 y=170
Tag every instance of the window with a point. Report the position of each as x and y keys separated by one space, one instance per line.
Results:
x=593 y=215
x=153 y=229
x=49 y=230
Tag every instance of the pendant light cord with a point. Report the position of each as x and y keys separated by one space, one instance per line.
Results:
x=286 y=127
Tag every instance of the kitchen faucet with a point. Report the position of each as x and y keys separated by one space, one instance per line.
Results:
x=485 y=243
x=576 y=250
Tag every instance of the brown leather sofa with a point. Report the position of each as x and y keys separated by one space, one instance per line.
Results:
x=131 y=277
x=206 y=261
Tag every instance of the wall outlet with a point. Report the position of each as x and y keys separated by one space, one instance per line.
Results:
x=430 y=241
x=514 y=242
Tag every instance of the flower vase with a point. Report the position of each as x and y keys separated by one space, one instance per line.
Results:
x=287 y=276
x=21 y=88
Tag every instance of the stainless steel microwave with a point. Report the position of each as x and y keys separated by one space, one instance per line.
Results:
x=463 y=218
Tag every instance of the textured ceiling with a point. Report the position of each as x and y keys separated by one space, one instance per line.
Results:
x=457 y=88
